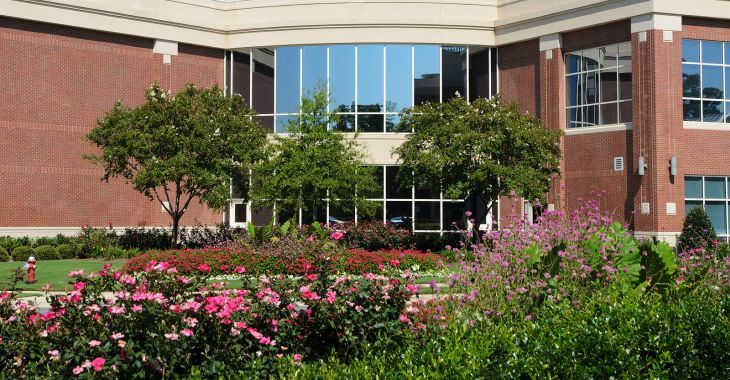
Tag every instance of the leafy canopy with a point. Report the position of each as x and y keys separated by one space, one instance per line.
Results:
x=181 y=147
x=484 y=148
x=314 y=164
x=697 y=231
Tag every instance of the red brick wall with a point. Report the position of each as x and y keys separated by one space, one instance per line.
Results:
x=56 y=82
x=597 y=36
x=519 y=75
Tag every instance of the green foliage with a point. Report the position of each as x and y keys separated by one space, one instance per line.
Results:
x=313 y=165
x=4 y=255
x=92 y=239
x=697 y=231
x=659 y=262
x=484 y=148
x=615 y=241
x=178 y=148
x=372 y=236
x=10 y=243
x=46 y=252
x=68 y=251
x=721 y=251
x=22 y=253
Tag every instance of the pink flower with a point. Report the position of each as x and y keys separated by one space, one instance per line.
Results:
x=117 y=309
x=310 y=238
x=202 y=267
x=76 y=273
x=239 y=270
x=331 y=295
x=297 y=357
x=79 y=286
x=117 y=336
x=404 y=319
x=94 y=343
x=76 y=371
x=394 y=262
x=171 y=336
x=311 y=277
x=308 y=294
x=337 y=235
x=265 y=340
x=137 y=308
x=98 y=364
x=54 y=354
x=187 y=332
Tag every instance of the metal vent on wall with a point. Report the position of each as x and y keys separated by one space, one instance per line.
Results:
x=618 y=164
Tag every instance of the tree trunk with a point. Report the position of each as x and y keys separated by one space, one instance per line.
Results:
x=175 y=228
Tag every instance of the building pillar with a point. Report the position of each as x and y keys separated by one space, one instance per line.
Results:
x=656 y=41
x=552 y=105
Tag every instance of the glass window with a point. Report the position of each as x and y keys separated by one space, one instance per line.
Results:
x=315 y=213
x=346 y=123
x=727 y=53
x=370 y=77
x=573 y=88
x=727 y=112
x=715 y=187
x=377 y=214
x=454 y=218
x=572 y=63
x=691 y=110
x=690 y=51
x=689 y=205
x=711 y=52
x=453 y=71
x=693 y=187
x=241 y=77
x=609 y=85
x=261 y=216
x=625 y=112
x=624 y=77
x=398 y=78
x=430 y=191
x=712 y=82
x=609 y=113
x=712 y=111
x=287 y=80
x=266 y=122
x=284 y=121
x=263 y=82
x=393 y=188
x=428 y=216
x=478 y=73
x=341 y=212
x=377 y=172
x=427 y=74
x=370 y=122
x=391 y=122
x=590 y=59
x=717 y=211
x=609 y=56
x=342 y=78
x=239 y=213
x=399 y=213
x=314 y=68
x=690 y=81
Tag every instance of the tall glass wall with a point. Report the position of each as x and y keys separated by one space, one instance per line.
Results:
x=368 y=84
x=706 y=81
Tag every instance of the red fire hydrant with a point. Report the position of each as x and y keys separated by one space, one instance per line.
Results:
x=30 y=268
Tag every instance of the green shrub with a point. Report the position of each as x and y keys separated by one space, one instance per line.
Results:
x=4 y=256
x=22 y=253
x=10 y=243
x=721 y=250
x=68 y=251
x=46 y=252
x=94 y=239
x=697 y=232
x=110 y=253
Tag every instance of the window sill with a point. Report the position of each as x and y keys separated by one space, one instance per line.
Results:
x=706 y=126
x=602 y=128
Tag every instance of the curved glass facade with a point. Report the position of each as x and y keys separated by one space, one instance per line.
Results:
x=368 y=84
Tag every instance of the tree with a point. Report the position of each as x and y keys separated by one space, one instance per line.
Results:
x=697 y=231
x=482 y=149
x=178 y=148
x=314 y=165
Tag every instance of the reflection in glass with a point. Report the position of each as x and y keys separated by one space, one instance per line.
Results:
x=399 y=213
x=624 y=54
x=377 y=215
x=428 y=216
x=624 y=77
x=689 y=205
x=315 y=213
x=314 y=68
x=342 y=212
x=398 y=80
x=453 y=71
x=287 y=80
x=691 y=110
x=283 y=122
x=590 y=116
x=370 y=123
x=391 y=122
x=572 y=63
x=377 y=172
x=266 y=122
x=727 y=82
x=261 y=216
x=342 y=78
x=693 y=187
x=711 y=52
x=370 y=77
x=241 y=75
x=609 y=85
x=608 y=55
x=346 y=123
x=625 y=112
x=572 y=88
x=239 y=213
x=429 y=191
x=712 y=82
x=453 y=216
x=609 y=113
x=590 y=59
x=426 y=78
x=690 y=81
x=393 y=188
x=263 y=81
x=589 y=92
x=712 y=111
x=478 y=73
x=574 y=116
x=715 y=187
x=727 y=112
x=717 y=213
x=690 y=51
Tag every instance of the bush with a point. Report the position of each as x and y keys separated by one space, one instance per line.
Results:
x=697 y=231
x=142 y=238
x=22 y=253
x=46 y=252
x=68 y=251
x=92 y=239
x=4 y=256
x=10 y=243
x=373 y=236
x=109 y=253
x=721 y=251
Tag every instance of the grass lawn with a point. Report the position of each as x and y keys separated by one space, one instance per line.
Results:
x=53 y=272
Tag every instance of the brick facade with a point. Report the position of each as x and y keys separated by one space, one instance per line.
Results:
x=56 y=82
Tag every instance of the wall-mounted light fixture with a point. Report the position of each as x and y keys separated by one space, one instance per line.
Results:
x=673 y=166
x=642 y=165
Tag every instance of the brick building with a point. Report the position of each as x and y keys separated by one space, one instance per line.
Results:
x=641 y=89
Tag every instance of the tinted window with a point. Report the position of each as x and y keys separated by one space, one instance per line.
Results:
x=711 y=52
x=263 y=81
x=342 y=77
x=454 y=71
x=690 y=51
x=241 y=75
x=370 y=77
x=314 y=68
x=426 y=79
x=399 y=81
x=287 y=80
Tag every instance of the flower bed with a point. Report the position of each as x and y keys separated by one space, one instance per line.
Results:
x=165 y=323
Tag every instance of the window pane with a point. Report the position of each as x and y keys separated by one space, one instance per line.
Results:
x=590 y=116
x=287 y=80
x=712 y=112
x=712 y=82
x=370 y=123
x=715 y=187
x=377 y=172
x=315 y=213
x=625 y=112
x=691 y=110
x=727 y=53
x=717 y=213
x=589 y=92
x=393 y=188
x=391 y=122
x=711 y=52
x=283 y=122
x=342 y=212
x=263 y=81
x=346 y=123
x=261 y=216
x=454 y=71
x=428 y=216
x=495 y=72
x=572 y=63
x=426 y=81
x=572 y=89
x=478 y=73
x=690 y=81
x=241 y=76
x=239 y=213
x=609 y=56
x=370 y=77
x=574 y=116
x=453 y=216
x=377 y=215
x=590 y=59
x=266 y=122
x=727 y=82
x=624 y=55
x=624 y=77
x=399 y=83
x=693 y=187
x=689 y=205
x=399 y=213
x=430 y=191
x=727 y=112
x=609 y=87
x=690 y=51
x=609 y=113
x=342 y=78
x=314 y=68
x=287 y=215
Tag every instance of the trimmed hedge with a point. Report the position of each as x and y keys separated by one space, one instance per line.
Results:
x=22 y=253
x=47 y=252
x=68 y=251
x=4 y=256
